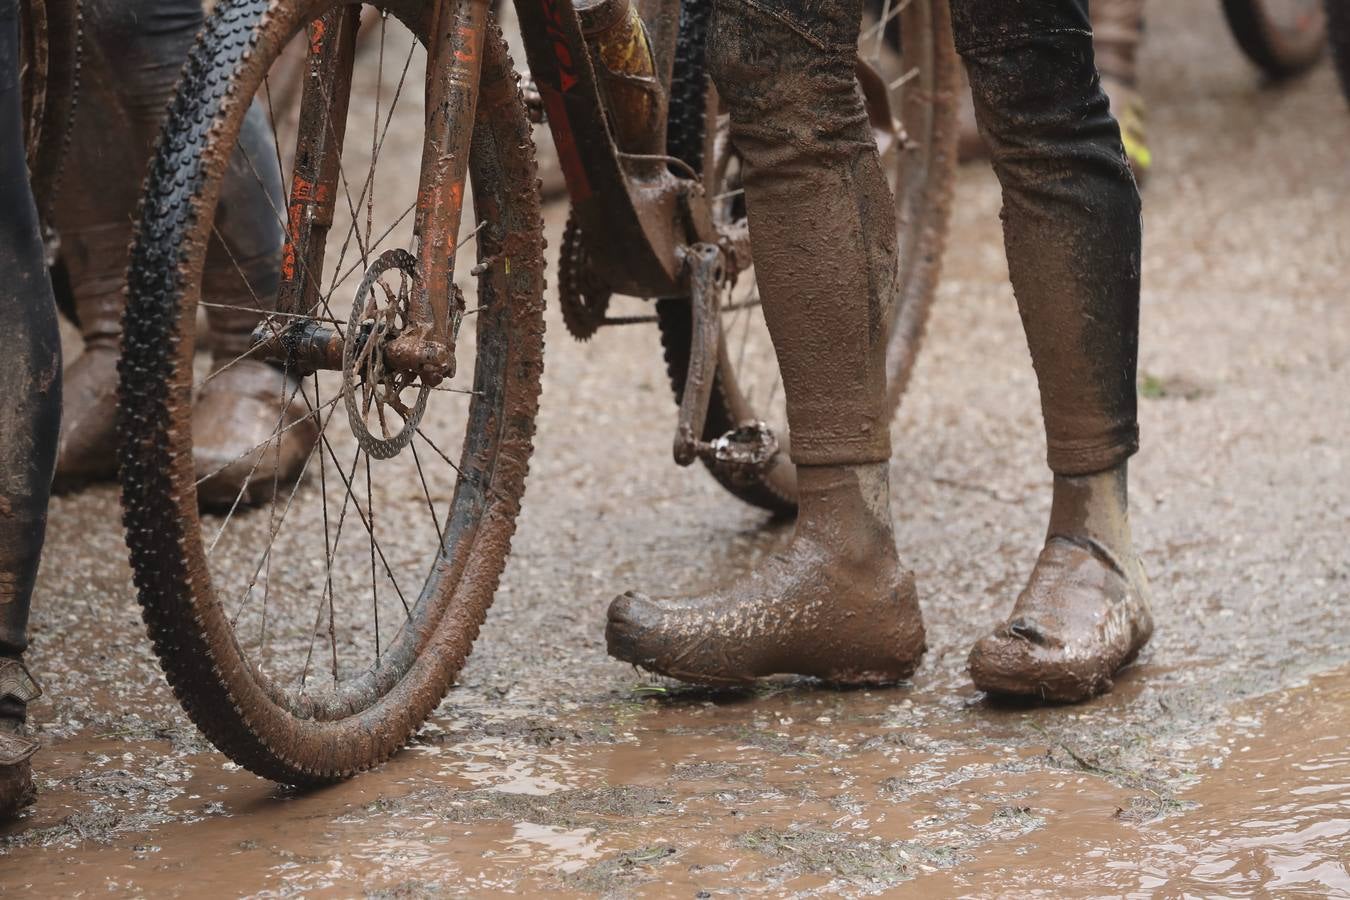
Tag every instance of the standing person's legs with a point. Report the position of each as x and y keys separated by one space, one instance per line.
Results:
x=30 y=383
x=1118 y=30
x=837 y=603
x=135 y=50
x=1072 y=231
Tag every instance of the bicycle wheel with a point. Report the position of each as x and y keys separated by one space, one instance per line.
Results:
x=1338 y=37
x=308 y=638
x=911 y=78
x=1282 y=37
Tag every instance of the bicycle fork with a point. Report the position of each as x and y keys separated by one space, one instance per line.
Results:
x=426 y=346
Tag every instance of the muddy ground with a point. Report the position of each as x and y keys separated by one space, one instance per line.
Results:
x=1218 y=765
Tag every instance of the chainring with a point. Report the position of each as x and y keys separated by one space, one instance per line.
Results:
x=583 y=297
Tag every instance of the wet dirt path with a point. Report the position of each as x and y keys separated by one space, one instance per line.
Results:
x=789 y=791
x=552 y=768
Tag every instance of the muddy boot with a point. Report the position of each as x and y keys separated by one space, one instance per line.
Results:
x=90 y=382
x=246 y=402
x=1085 y=612
x=836 y=604
x=17 y=690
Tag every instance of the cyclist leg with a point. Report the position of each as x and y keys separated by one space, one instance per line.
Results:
x=1072 y=233
x=1118 y=27
x=30 y=383
x=837 y=604
x=135 y=51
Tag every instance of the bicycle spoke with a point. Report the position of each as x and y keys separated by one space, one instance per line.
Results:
x=439 y=451
x=258 y=307
x=374 y=129
x=426 y=492
x=389 y=117
x=374 y=581
x=276 y=477
x=327 y=593
x=238 y=498
x=388 y=231
x=361 y=514
x=904 y=79
x=879 y=26
x=259 y=446
x=327 y=546
x=881 y=31
x=347 y=191
x=271 y=541
x=272 y=314
x=276 y=134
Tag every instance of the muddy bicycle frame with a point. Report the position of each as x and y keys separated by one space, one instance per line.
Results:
x=633 y=202
x=649 y=229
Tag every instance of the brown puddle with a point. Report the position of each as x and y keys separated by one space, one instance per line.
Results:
x=796 y=791
x=1270 y=815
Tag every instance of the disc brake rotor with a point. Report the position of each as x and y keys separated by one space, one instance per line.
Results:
x=370 y=387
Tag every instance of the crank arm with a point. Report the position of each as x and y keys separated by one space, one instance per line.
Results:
x=706 y=271
x=747 y=453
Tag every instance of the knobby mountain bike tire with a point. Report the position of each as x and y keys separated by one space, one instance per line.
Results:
x=254 y=701
x=1281 y=37
x=909 y=44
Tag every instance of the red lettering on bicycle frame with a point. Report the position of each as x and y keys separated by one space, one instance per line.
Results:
x=562 y=53
x=304 y=193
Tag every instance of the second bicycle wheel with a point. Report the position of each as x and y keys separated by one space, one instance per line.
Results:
x=309 y=637
x=1282 y=37
x=908 y=72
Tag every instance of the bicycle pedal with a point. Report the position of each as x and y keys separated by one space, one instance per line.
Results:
x=743 y=455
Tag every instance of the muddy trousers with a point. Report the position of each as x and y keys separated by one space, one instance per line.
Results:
x=823 y=225
x=30 y=367
x=134 y=52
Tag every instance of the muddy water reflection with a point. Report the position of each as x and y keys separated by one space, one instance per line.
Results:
x=799 y=791
x=1270 y=815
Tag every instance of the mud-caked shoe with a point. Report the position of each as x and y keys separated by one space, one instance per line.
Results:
x=252 y=432
x=1083 y=616
x=836 y=605
x=17 y=689
x=88 y=418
